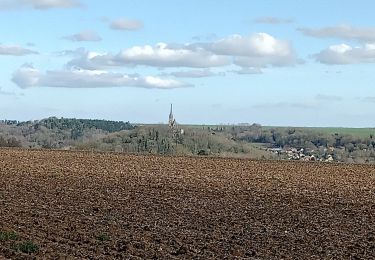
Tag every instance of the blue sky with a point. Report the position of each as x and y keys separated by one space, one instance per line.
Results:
x=269 y=62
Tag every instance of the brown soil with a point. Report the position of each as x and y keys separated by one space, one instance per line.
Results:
x=106 y=206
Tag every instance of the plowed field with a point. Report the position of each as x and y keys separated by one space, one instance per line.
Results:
x=104 y=206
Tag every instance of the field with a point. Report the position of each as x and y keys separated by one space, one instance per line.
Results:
x=56 y=204
x=356 y=132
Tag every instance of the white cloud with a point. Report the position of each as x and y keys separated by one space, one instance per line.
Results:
x=261 y=62
x=126 y=24
x=84 y=36
x=160 y=55
x=347 y=32
x=195 y=73
x=273 y=20
x=163 y=55
x=341 y=48
x=27 y=76
x=15 y=50
x=345 y=54
x=257 y=51
x=90 y=60
x=38 y=4
x=258 y=44
x=247 y=71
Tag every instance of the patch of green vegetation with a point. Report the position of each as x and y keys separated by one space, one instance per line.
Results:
x=158 y=139
x=27 y=247
x=356 y=132
x=102 y=237
x=8 y=235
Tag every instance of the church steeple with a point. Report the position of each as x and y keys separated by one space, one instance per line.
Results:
x=171 y=114
x=172 y=121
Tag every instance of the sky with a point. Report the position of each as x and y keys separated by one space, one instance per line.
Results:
x=272 y=62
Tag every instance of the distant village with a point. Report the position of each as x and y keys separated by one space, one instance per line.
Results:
x=302 y=154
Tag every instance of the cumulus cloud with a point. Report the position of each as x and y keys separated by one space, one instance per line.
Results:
x=84 y=36
x=247 y=71
x=261 y=62
x=27 y=76
x=163 y=55
x=347 y=32
x=345 y=54
x=195 y=73
x=39 y=4
x=160 y=55
x=273 y=20
x=71 y=53
x=258 y=44
x=257 y=51
x=91 y=60
x=126 y=24
x=15 y=50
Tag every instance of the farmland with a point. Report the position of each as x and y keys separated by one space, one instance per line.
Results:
x=356 y=132
x=56 y=204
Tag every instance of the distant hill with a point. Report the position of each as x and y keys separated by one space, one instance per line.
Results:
x=78 y=126
x=160 y=139
x=56 y=132
x=246 y=141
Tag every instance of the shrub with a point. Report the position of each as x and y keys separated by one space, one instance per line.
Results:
x=202 y=152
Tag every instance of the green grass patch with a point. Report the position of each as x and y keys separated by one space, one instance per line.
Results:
x=357 y=132
x=27 y=247
x=6 y=236
x=102 y=237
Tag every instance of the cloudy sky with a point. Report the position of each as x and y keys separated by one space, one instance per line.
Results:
x=218 y=61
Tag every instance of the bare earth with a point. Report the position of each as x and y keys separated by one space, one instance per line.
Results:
x=105 y=206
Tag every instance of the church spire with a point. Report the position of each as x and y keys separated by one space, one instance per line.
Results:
x=172 y=121
x=171 y=115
